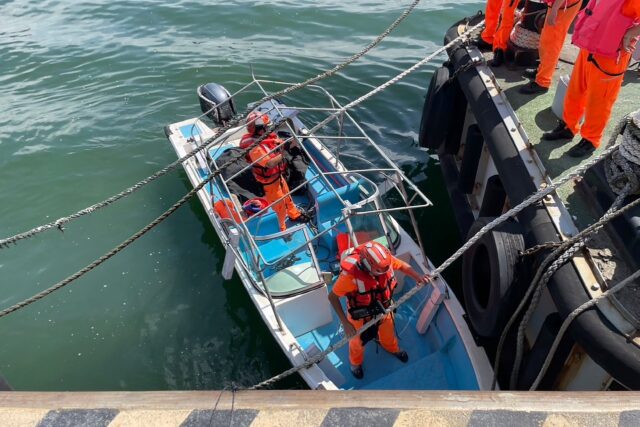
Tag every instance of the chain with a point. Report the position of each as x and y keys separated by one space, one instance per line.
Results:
x=471 y=64
x=59 y=223
x=533 y=198
x=534 y=249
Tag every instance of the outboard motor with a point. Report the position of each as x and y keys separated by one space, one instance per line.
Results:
x=216 y=103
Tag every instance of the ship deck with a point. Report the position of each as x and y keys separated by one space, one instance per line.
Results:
x=536 y=116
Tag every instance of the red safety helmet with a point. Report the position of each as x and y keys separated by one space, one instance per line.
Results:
x=375 y=257
x=257 y=122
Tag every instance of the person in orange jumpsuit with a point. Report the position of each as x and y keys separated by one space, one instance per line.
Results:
x=503 y=31
x=556 y=25
x=367 y=280
x=268 y=166
x=593 y=89
x=491 y=16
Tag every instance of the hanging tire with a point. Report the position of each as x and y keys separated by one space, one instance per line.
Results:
x=438 y=110
x=488 y=273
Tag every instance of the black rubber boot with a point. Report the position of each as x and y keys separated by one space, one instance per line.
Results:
x=581 y=149
x=533 y=88
x=530 y=73
x=498 y=58
x=483 y=45
x=560 y=132
x=402 y=356
x=357 y=371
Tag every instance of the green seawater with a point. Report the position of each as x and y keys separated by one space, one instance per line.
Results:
x=86 y=88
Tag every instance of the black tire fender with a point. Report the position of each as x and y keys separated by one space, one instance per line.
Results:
x=438 y=110
x=488 y=275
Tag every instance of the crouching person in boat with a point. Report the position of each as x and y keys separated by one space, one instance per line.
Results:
x=269 y=168
x=367 y=281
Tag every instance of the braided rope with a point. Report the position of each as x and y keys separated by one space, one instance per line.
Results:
x=525 y=38
x=559 y=258
x=623 y=168
x=109 y=254
x=575 y=313
x=533 y=198
x=564 y=247
x=213 y=175
x=59 y=223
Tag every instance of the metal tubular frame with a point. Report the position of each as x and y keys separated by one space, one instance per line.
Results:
x=349 y=210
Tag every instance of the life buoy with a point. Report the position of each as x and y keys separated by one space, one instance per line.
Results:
x=488 y=273
x=438 y=110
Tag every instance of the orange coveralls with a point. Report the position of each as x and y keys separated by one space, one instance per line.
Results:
x=225 y=208
x=505 y=24
x=552 y=40
x=275 y=190
x=591 y=92
x=386 y=335
x=491 y=15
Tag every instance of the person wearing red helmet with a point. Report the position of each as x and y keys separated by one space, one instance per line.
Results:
x=268 y=167
x=367 y=280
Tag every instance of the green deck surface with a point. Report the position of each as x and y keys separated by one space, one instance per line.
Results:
x=534 y=111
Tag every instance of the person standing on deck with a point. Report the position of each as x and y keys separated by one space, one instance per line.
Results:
x=503 y=31
x=491 y=16
x=606 y=32
x=367 y=281
x=560 y=15
x=268 y=167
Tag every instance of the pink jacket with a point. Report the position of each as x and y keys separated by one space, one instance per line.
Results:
x=600 y=27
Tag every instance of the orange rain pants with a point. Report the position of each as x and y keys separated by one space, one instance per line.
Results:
x=273 y=192
x=491 y=15
x=552 y=40
x=505 y=25
x=592 y=93
x=386 y=336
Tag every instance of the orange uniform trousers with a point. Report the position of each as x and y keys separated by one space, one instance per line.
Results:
x=552 y=40
x=386 y=336
x=491 y=15
x=273 y=192
x=505 y=24
x=592 y=93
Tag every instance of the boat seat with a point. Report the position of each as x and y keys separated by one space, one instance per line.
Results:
x=329 y=211
x=306 y=312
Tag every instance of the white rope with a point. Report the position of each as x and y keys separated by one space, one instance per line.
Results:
x=525 y=38
x=534 y=198
x=60 y=222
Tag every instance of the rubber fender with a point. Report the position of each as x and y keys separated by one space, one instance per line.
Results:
x=437 y=111
x=488 y=273
x=470 y=159
x=453 y=138
x=538 y=354
x=493 y=198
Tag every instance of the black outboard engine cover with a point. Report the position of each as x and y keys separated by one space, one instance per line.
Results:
x=212 y=102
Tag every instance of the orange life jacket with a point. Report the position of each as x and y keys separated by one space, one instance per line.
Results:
x=262 y=174
x=372 y=292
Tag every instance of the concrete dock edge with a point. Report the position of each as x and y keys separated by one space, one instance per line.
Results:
x=319 y=408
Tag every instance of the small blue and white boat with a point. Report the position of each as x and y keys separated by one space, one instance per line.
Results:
x=288 y=274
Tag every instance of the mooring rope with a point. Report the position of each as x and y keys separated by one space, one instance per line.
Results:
x=60 y=222
x=533 y=198
x=567 y=247
x=217 y=172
